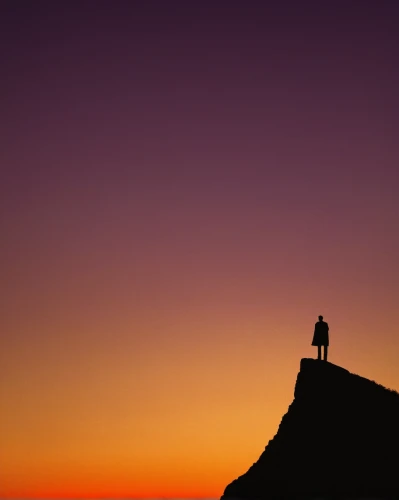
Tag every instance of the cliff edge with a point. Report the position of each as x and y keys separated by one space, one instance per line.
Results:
x=339 y=439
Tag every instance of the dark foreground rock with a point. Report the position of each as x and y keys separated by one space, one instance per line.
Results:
x=339 y=439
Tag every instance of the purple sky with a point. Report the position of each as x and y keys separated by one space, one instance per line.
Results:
x=208 y=164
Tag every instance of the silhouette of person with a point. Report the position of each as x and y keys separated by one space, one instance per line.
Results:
x=320 y=337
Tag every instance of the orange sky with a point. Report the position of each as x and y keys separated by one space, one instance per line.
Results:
x=183 y=191
x=119 y=416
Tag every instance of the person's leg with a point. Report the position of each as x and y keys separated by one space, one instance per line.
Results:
x=325 y=352
x=319 y=352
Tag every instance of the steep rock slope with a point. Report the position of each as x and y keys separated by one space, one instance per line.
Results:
x=339 y=438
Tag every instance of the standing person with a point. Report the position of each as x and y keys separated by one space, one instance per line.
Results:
x=320 y=337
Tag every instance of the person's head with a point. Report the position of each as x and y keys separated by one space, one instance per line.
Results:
x=320 y=318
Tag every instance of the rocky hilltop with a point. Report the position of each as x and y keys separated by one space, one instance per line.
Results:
x=339 y=439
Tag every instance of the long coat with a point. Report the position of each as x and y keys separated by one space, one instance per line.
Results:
x=320 y=336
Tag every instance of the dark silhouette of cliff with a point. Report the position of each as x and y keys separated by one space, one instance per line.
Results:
x=339 y=439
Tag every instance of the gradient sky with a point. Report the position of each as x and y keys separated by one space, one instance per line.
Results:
x=185 y=187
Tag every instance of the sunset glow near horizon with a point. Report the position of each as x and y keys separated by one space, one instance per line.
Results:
x=184 y=189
